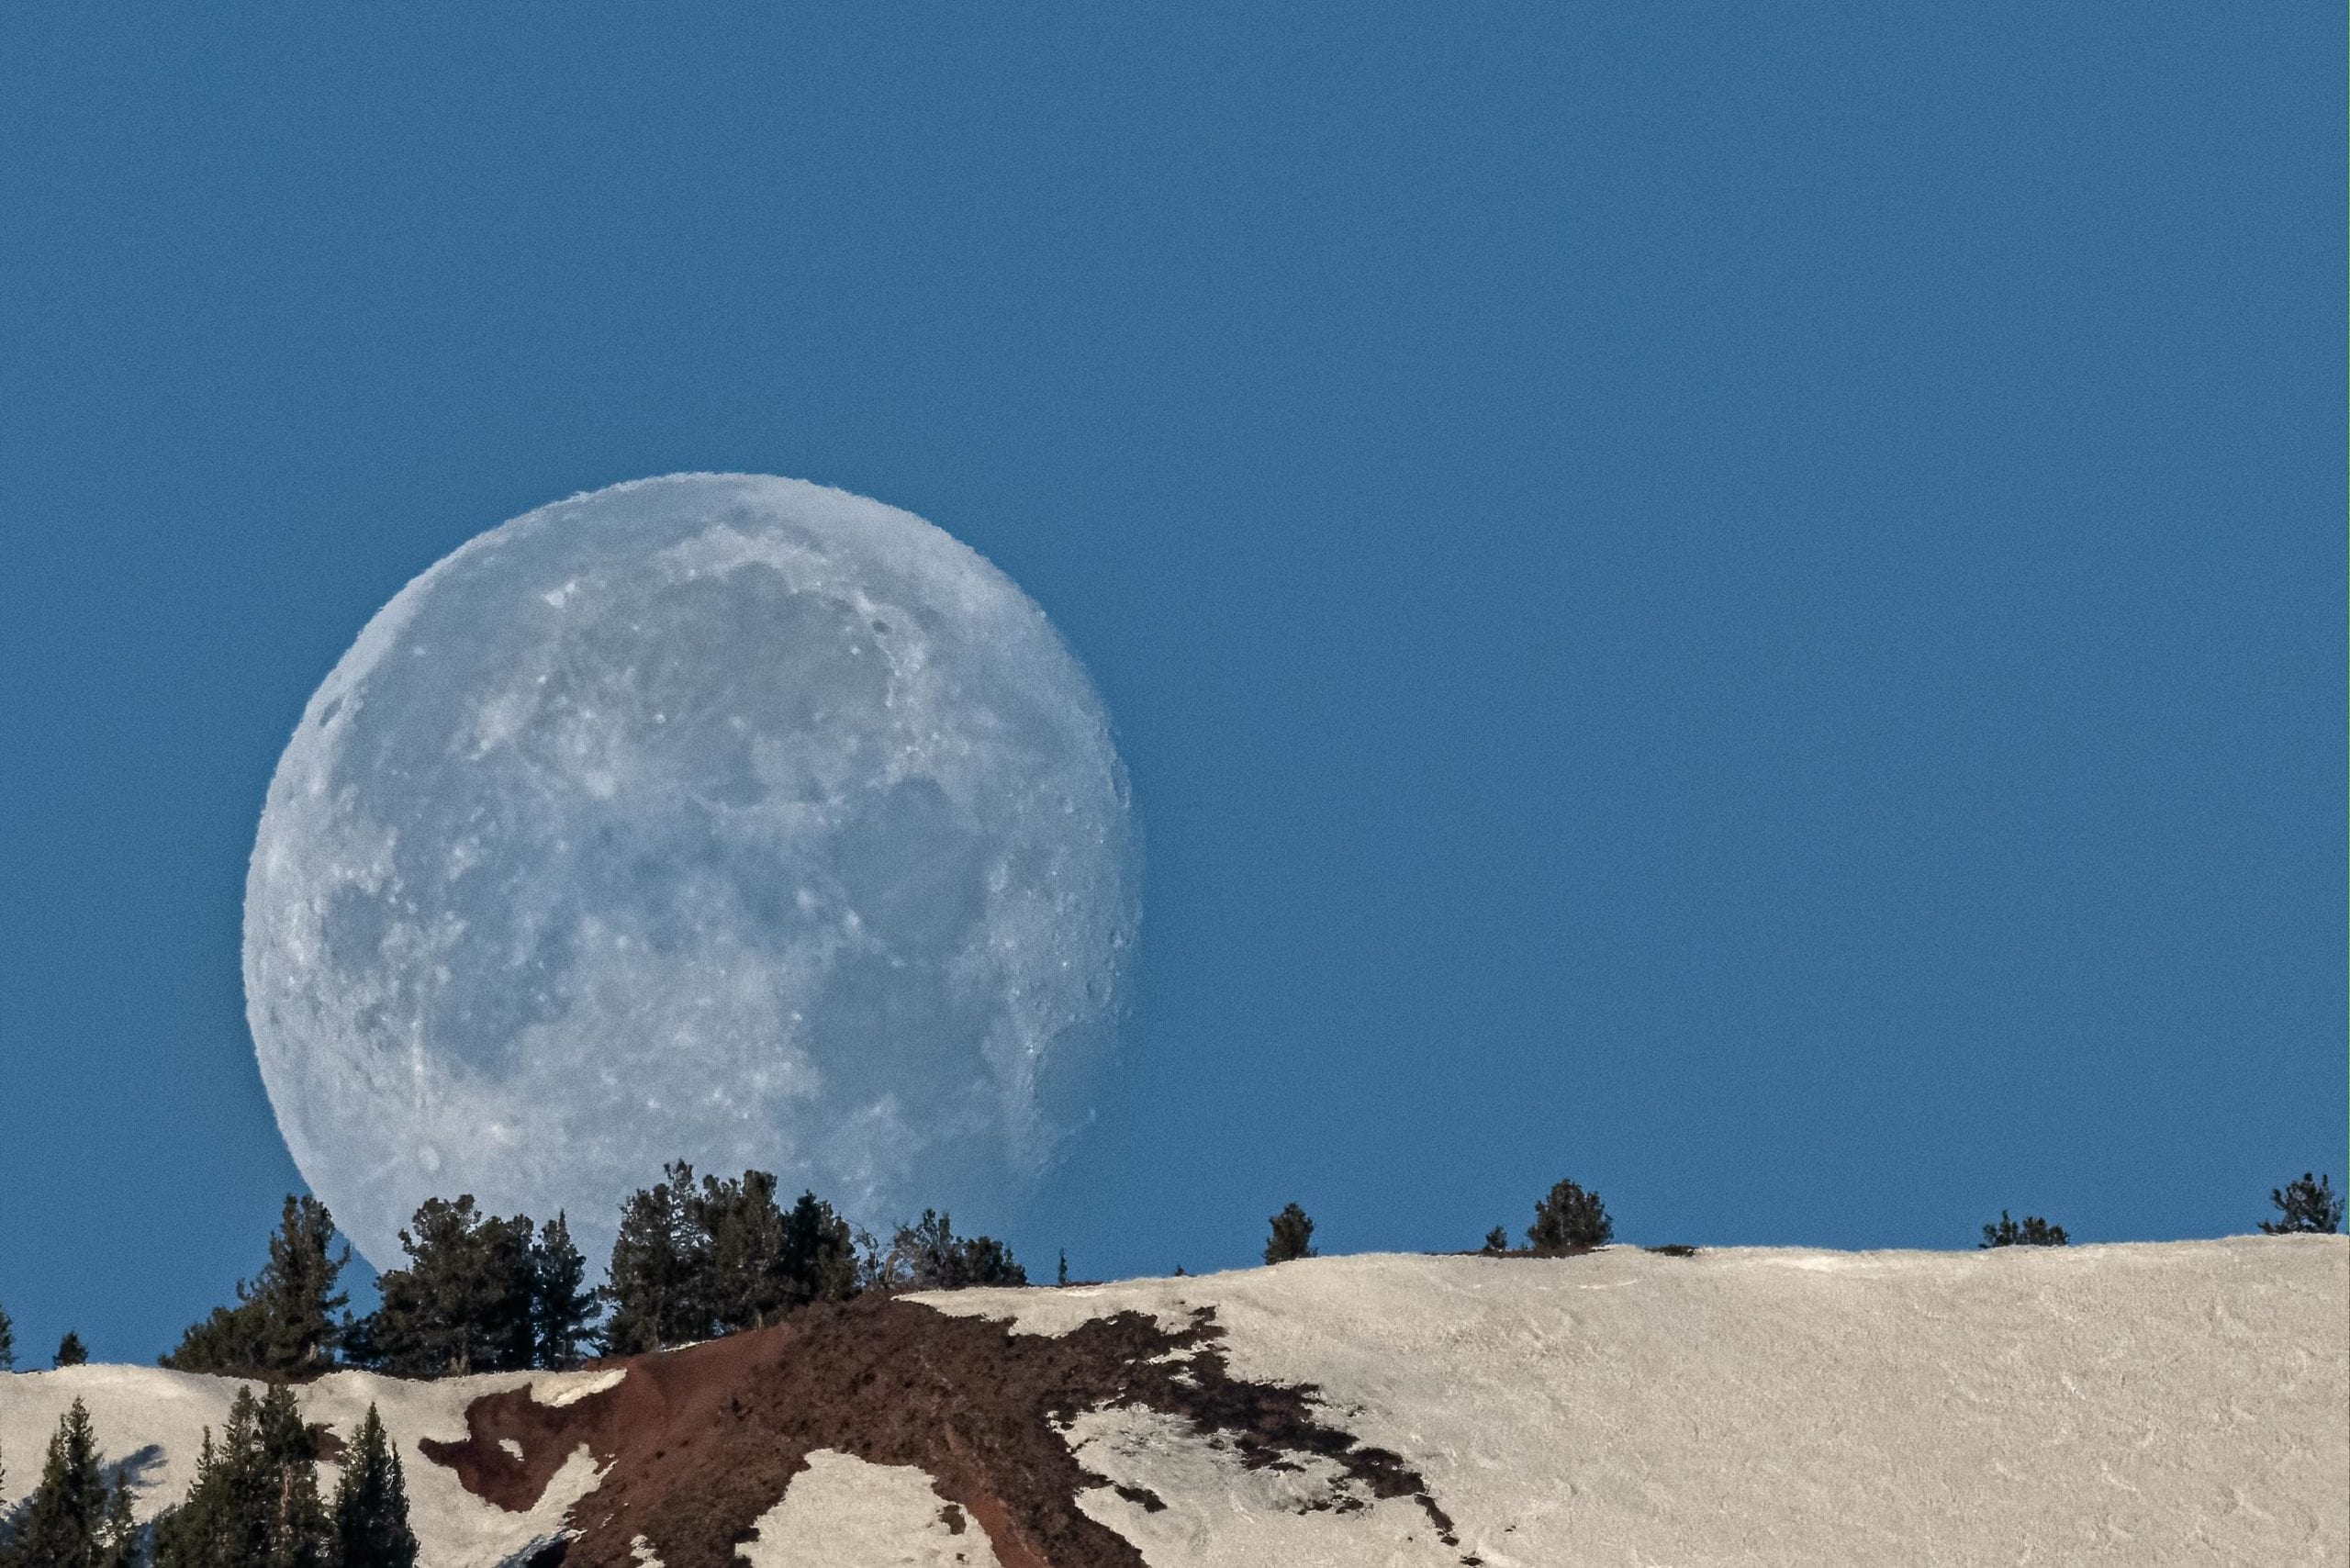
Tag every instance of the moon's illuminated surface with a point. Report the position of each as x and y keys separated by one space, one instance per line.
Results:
x=719 y=817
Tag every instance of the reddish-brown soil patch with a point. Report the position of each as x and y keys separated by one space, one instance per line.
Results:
x=703 y=1440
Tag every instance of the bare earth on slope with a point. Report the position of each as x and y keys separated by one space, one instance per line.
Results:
x=700 y=1443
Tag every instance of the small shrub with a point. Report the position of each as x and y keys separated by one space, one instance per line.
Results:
x=1569 y=1219
x=2309 y=1207
x=2033 y=1232
x=1292 y=1237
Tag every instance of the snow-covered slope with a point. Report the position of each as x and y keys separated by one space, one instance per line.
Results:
x=154 y=1420
x=2175 y=1402
x=2139 y=1404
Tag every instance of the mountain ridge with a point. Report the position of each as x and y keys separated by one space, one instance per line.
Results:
x=2140 y=1403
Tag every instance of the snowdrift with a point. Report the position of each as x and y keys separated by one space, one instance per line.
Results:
x=2154 y=1403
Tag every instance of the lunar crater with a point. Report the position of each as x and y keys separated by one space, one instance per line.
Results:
x=719 y=817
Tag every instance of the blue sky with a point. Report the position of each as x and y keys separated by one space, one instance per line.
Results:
x=1745 y=607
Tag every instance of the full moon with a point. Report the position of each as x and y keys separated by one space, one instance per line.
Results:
x=715 y=817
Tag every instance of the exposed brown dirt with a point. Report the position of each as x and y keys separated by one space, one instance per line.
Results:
x=703 y=1440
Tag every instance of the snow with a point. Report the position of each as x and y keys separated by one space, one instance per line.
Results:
x=841 y=1511
x=2142 y=1404
x=156 y=1419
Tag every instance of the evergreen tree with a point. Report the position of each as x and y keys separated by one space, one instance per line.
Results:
x=197 y=1532
x=464 y=1302
x=371 y=1504
x=658 y=1278
x=119 y=1535
x=741 y=1233
x=2033 y=1232
x=7 y=1342
x=928 y=1255
x=296 y=1290
x=2308 y=1208
x=1292 y=1237
x=1060 y=1276
x=1569 y=1219
x=819 y=1255
x=984 y=1260
x=221 y=1523
x=563 y=1308
x=71 y=1351
x=65 y=1520
x=693 y=1262
x=254 y=1502
x=229 y=1341
x=284 y=1323
x=1496 y=1240
x=300 y=1535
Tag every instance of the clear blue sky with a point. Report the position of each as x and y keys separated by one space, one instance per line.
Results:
x=1747 y=607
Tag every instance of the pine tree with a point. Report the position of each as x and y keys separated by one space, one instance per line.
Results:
x=64 y=1520
x=1496 y=1240
x=1569 y=1219
x=2033 y=1232
x=7 y=1342
x=928 y=1255
x=464 y=1302
x=284 y=1323
x=119 y=1535
x=658 y=1270
x=198 y=1531
x=297 y=1290
x=741 y=1232
x=2308 y=1208
x=254 y=1502
x=819 y=1257
x=222 y=1523
x=563 y=1308
x=71 y=1351
x=299 y=1533
x=982 y=1261
x=371 y=1504
x=1292 y=1237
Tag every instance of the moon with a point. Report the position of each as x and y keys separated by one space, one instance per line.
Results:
x=716 y=817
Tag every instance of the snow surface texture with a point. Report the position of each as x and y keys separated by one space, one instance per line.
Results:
x=842 y=1509
x=2146 y=1405
x=2149 y=1404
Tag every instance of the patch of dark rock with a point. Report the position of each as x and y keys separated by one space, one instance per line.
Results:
x=1143 y=1497
x=1672 y=1250
x=695 y=1444
x=330 y=1446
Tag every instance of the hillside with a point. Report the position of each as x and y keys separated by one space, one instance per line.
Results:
x=2150 y=1404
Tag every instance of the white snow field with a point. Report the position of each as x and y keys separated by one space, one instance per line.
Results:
x=2139 y=1404
x=842 y=1509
